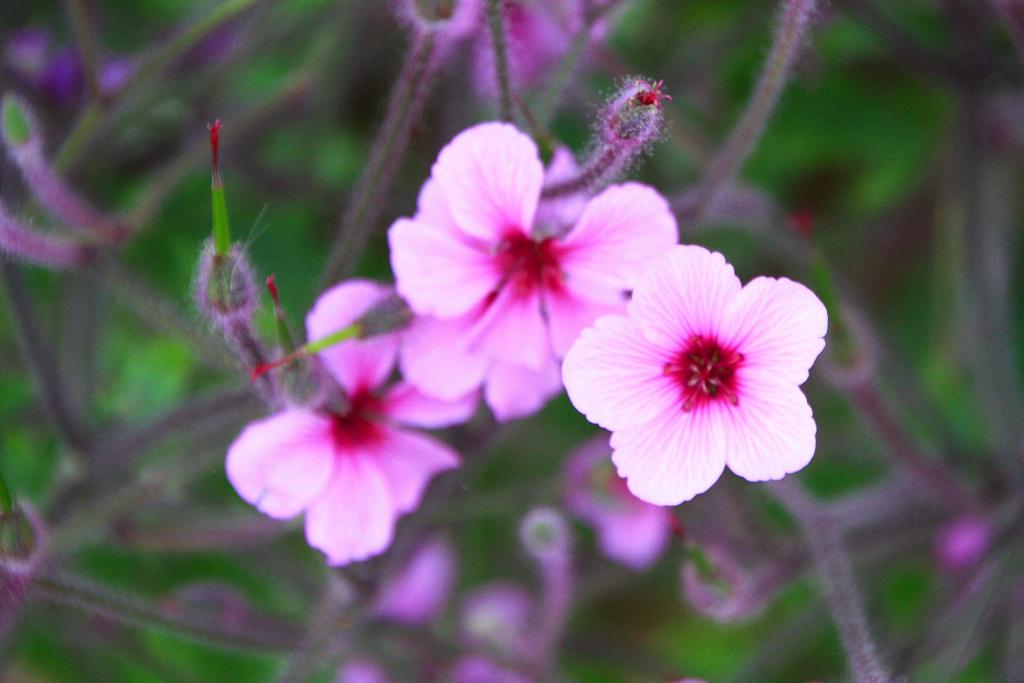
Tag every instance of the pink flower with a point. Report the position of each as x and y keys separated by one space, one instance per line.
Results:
x=501 y=295
x=629 y=530
x=701 y=373
x=963 y=542
x=361 y=671
x=352 y=468
x=418 y=592
x=475 y=669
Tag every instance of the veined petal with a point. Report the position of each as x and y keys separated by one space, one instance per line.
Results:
x=408 y=405
x=408 y=462
x=672 y=458
x=512 y=330
x=683 y=294
x=434 y=357
x=615 y=376
x=570 y=311
x=491 y=176
x=513 y=391
x=778 y=325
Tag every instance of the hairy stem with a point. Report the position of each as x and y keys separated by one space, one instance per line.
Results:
x=496 y=24
x=365 y=204
x=727 y=162
x=41 y=359
x=86 y=42
x=92 y=598
x=824 y=540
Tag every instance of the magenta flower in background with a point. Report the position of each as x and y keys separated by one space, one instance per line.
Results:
x=629 y=530
x=502 y=296
x=702 y=373
x=361 y=671
x=538 y=34
x=353 y=469
x=963 y=542
x=420 y=590
x=477 y=669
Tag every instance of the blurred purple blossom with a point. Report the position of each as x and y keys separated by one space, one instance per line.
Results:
x=962 y=542
x=482 y=670
x=418 y=592
x=496 y=617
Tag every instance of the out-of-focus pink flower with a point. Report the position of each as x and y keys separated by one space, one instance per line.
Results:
x=629 y=530
x=501 y=297
x=420 y=590
x=496 y=618
x=355 y=469
x=361 y=671
x=449 y=20
x=702 y=373
x=538 y=34
x=963 y=542
x=476 y=669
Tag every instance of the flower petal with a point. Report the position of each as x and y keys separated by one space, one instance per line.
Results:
x=436 y=271
x=434 y=357
x=282 y=463
x=491 y=176
x=419 y=590
x=684 y=293
x=512 y=330
x=513 y=391
x=408 y=462
x=408 y=405
x=357 y=365
x=355 y=517
x=771 y=432
x=569 y=312
x=779 y=327
x=672 y=458
x=614 y=376
x=622 y=230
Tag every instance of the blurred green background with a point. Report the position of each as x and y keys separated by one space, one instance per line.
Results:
x=866 y=138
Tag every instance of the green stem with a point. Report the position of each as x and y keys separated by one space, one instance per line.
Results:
x=85 y=39
x=221 y=225
x=344 y=334
x=496 y=21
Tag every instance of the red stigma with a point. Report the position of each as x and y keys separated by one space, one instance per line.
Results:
x=653 y=96
x=272 y=288
x=214 y=129
x=706 y=372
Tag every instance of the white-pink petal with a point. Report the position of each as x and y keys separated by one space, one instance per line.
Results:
x=513 y=391
x=672 y=458
x=491 y=176
x=683 y=294
x=615 y=377
x=282 y=463
x=569 y=311
x=621 y=231
x=354 y=518
x=406 y=404
x=778 y=325
x=434 y=357
x=770 y=433
x=357 y=365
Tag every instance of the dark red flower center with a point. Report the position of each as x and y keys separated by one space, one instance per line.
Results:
x=360 y=424
x=527 y=264
x=706 y=371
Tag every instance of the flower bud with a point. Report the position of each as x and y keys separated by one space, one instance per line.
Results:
x=633 y=118
x=389 y=315
x=963 y=542
x=545 y=535
x=225 y=287
x=418 y=592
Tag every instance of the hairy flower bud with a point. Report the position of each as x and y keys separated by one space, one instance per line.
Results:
x=452 y=19
x=626 y=127
x=389 y=315
x=225 y=287
x=719 y=585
